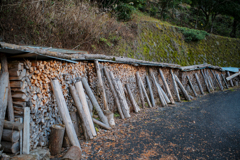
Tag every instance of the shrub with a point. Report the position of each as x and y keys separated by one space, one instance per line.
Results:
x=153 y=11
x=124 y=11
x=192 y=34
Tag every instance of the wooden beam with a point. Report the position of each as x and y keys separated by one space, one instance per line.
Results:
x=134 y=103
x=219 y=81
x=185 y=93
x=216 y=80
x=164 y=94
x=91 y=96
x=224 y=81
x=116 y=100
x=175 y=86
x=190 y=83
x=101 y=124
x=150 y=91
x=140 y=90
x=26 y=131
x=81 y=94
x=199 y=84
x=233 y=76
x=205 y=81
x=231 y=82
x=56 y=139
x=64 y=113
x=166 y=87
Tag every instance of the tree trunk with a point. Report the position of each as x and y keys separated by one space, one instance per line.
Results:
x=56 y=139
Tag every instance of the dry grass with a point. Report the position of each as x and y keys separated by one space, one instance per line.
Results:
x=61 y=24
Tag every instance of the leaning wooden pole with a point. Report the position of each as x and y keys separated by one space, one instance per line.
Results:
x=164 y=94
x=175 y=86
x=144 y=90
x=65 y=113
x=162 y=99
x=224 y=81
x=219 y=81
x=190 y=83
x=134 y=103
x=216 y=80
x=233 y=76
x=210 y=78
x=91 y=96
x=150 y=91
x=140 y=91
x=182 y=88
x=81 y=94
x=199 y=84
x=85 y=124
x=114 y=93
x=231 y=82
x=205 y=81
x=167 y=87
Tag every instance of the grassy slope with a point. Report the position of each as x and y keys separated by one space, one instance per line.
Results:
x=160 y=41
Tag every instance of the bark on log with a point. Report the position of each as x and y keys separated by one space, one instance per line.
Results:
x=167 y=87
x=185 y=93
x=205 y=81
x=216 y=80
x=120 y=96
x=10 y=135
x=10 y=147
x=74 y=117
x=233 y=76
x=26 y=131
x=144 y=90
x=85 y=124
x=3 y=99
x=100 y=85
x=140 y=91
x=13 y=125
x=74 y=153
x=134 y=103
x=65 y=113
x=224 y=81
x=114 y=93
x=190 y=83
x=231 y=82
x=83 y=100
x=94 y=101
x=66 y=141
x=56 y=139
x=175 y=86
x=101 y=124
x=199 y=84
x=150 y=91
x=161 y=97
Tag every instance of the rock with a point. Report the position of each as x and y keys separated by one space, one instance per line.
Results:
x=74 y=153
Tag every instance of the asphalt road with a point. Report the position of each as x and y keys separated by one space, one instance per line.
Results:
x=206 y=128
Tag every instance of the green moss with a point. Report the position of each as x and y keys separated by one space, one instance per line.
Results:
x=160 y=42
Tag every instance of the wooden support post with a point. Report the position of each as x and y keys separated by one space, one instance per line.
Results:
x=175 y=86
x=233 y=76
x=124 y=97
x=10 y=135
x=205 y=81
x=101 y=124
x=167 y=87
x=224 y=81
x=140 y=91
x=219 y=81
x=56 y=139
x=210 y=78
x=185 y=93
x=162 y=99
x=100 y=85
x=150 y=91
x=114 y=93
x=93 y=99
x=135 y=106
x=216 y=80
x=190 y=83
x=83 y=99
x=144 y=90
x=231 y=82
x=164 y=94
x=64 y=113
x=120 y=96
x=85 y=124
x=26 y=131
x=199 y=84
x=20 y=120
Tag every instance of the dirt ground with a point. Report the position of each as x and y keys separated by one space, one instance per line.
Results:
x=206 y=128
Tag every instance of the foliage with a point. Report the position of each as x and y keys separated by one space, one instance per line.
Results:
x=153 y=11
x=124 y=11
x=192 y=34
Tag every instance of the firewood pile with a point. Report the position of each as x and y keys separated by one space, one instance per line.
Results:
x=53 y=90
